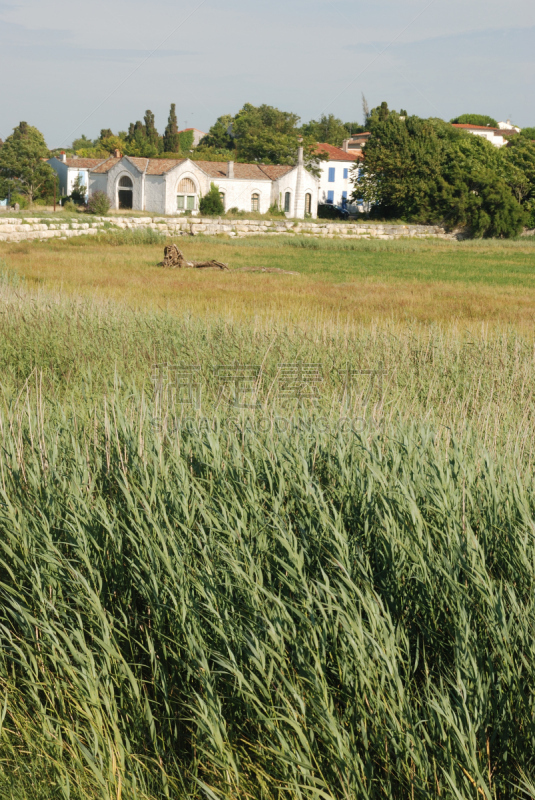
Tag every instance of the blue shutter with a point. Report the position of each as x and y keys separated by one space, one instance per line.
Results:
x=346 y=174
x=330 y=197
x=331 y=174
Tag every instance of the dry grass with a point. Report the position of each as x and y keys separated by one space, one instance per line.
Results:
x=466 y=283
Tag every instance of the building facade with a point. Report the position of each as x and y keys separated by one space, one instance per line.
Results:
x=166 y=186
x=69 y=169
x=496 y=136
x=337 y=181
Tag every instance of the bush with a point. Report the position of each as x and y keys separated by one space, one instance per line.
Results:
x=276 y=211
x=211 y=204
x=99 y=203
x=20 y=199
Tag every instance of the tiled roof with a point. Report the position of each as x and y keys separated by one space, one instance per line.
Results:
x=276 y=171
x=106 y=166
x=466 y=126
x=155 y=166
x=335 y=153
x=83 y=163
x=242 y=172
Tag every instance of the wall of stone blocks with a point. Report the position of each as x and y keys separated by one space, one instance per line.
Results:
x=16 y=229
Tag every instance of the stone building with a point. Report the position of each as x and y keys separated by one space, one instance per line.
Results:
x=166 y=186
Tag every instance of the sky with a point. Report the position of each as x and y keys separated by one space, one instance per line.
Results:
x=72 y=67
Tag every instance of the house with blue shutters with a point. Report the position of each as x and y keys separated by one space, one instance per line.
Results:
x=336 y=180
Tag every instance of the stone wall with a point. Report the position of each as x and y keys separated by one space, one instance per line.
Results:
x=22 y=229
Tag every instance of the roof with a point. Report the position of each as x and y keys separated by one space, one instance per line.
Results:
x=467 y=126
x=244 y=172
x=335 y=153
x=83 y=163
x=191 y=129
x=214 y=169
x=153 y=166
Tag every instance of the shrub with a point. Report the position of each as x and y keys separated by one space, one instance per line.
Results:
x=78 y=192
x=211 y=204
x=99 y=203
x=276 y=211
x=69 y=206
x=21 y=199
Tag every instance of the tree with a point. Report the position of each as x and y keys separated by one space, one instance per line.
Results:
x=211 y=204
x=528 y=133
x=83 y=143
x=171 y=137
x=218 y=137
x=327 y=129
x=423 y=170
x=78 y=191
x=475 y=119
x=365 y=110
x=21 y=163
x=151 y=134
x=519 y=163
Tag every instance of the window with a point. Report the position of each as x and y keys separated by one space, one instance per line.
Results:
x=330 y=197
x=287 y=199
x=344 y=195
x=308 y=204
x=125 y=193
x=331 y=174
x=185 y=200
x=255 y=202
x=186 y=186
x=126 y=182
x=346 y=174
x=222 y=198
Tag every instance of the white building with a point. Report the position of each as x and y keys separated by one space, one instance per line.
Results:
x=69 y=169
x=336 y=181
x=496 y=136
x=166 y=186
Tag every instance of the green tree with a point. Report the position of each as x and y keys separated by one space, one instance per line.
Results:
x=78 y=191
x=21 y=163
x=519 y=164
x=211 y=204
x=528 y=133
x=151 y=134
x=171 y=137
x=475 y=119
x=83 y=143
x=218 y=137
x=327 y=129
x=423 y=170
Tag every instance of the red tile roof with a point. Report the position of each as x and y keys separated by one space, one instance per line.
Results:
x=83 y=163
x=244 y=172
x=466 y=126
x=105 y=166
x=336 y=153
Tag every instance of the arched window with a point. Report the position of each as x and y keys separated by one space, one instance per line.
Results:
x=255 y=202
x=287 y=200
x=308 y=203
x=185 y=200
x=125 y=193
x=222 y=198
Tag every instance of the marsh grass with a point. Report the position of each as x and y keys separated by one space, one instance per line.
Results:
x=243 y=610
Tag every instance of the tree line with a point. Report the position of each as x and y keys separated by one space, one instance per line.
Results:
x=414 y=169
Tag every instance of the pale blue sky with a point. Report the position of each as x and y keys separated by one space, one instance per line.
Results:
x=75 y=66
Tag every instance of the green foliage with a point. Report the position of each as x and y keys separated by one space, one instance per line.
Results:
x=475 y=119
x=98 y=203
x=171 y=138
x=262 y=134
x=202 y=153
x=528 y=133
x=519 y=169
x=19 y=199
x=82 y=143
x=426 y=171
x=211 y=204
x=21 y=163
x=327 y=129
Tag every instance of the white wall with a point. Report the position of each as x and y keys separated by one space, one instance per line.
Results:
x=62 y=171
x=340 y=184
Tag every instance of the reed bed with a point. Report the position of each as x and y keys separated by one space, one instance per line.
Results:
x=226 y=607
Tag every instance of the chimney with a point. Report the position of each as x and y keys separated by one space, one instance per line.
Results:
x=300 y=157
x=117 y=154
x=63 y=156
x=230 y=169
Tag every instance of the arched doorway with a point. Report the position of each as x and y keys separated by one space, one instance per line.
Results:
x=126 y=193
x=308 y=203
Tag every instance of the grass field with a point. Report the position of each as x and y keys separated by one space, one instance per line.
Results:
x=342 y=281
x=300 y=600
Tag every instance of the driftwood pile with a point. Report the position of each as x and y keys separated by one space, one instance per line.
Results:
x=174 y=259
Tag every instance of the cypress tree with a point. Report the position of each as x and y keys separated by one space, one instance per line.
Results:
x=171 y=136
